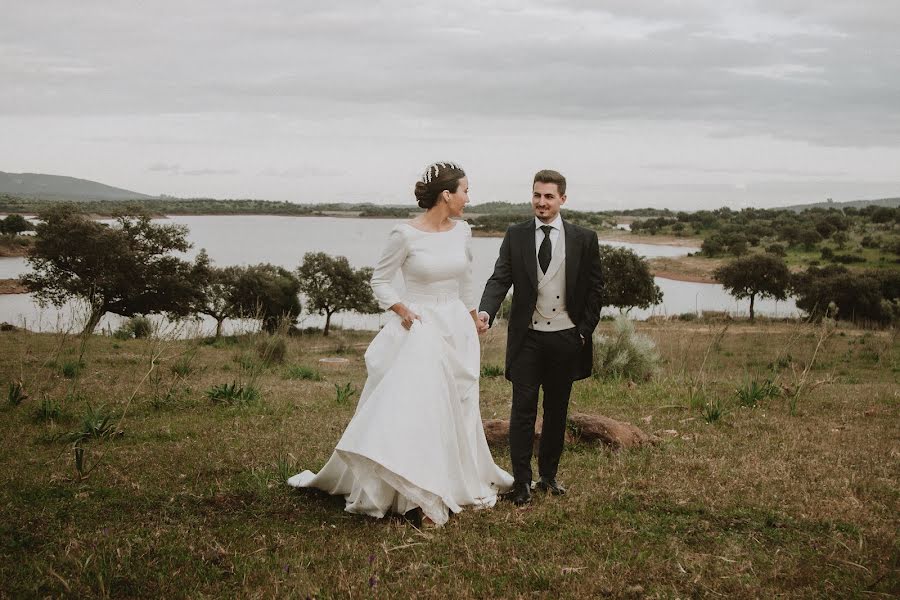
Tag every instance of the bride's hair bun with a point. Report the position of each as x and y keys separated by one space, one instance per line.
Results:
x=422 y=198
x=438 y=177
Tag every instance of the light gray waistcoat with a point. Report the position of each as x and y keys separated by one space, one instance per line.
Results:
x=550 y=311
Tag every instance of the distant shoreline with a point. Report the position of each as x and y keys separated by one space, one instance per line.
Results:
x=13 y=252
x=621 y=235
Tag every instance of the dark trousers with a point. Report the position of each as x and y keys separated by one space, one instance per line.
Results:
x=546 y=360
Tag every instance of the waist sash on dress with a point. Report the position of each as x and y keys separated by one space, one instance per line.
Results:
x=432 y=297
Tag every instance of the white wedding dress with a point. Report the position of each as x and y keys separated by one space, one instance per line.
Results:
x=416 y=439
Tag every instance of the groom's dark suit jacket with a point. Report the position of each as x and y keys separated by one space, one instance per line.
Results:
x=517 y=266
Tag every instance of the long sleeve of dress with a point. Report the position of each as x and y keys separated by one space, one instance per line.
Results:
x=466 y=290
x=382 y=277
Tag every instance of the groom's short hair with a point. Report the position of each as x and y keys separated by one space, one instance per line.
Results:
x=550 y=176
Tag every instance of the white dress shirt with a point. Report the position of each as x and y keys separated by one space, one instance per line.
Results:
x=556 y=224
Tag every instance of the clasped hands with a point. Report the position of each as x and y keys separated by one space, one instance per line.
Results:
x=482 y=322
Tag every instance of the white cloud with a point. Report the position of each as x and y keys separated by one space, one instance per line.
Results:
x=351 y=100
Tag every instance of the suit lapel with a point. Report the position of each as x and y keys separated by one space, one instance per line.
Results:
x=573 y=257
x=529 y=254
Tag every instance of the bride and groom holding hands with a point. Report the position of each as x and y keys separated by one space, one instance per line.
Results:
x=416 y=441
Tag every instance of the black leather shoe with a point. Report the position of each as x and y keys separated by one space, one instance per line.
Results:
x=414 y=517
x=520 y=494
x=549 y=484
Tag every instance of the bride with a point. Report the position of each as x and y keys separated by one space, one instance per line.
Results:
x=416 y=440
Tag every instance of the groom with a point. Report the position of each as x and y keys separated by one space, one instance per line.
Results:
x=554 y=268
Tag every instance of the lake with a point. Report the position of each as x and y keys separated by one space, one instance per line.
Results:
x=243 y=240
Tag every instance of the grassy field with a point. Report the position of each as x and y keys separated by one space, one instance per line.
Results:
x=179 y=495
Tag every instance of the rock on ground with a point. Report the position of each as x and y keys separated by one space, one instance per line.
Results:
x=581 y=428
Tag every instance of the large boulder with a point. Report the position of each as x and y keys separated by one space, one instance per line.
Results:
x=581 y=428
x=612 y=433
x=497 y=432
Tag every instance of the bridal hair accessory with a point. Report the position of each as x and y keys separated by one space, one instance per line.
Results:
x=433 y=170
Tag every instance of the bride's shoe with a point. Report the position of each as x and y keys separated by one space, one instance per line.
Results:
x=414 y=517
x=417 y=519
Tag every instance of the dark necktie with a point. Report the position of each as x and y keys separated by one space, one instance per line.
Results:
x=546 y=250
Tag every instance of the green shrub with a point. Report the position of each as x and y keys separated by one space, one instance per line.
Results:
x=302 y=372
x=696 y=397
x=134 y=328
x=183 y=367
x=869 y=241
x=16 y=393
x=713 y=411
x=95 y=424
x=752 y=392
x=47 y=410
x=344 y=392
x=776 y=249
x=491 y=370
x=847 y=259
x=857 y=296
x=222 y=342
x=625 y=354
x=233 y=393
x=285 y=467
x=71 y=369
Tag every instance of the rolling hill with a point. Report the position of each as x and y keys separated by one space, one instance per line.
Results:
x=890 y=202
x=58 y=187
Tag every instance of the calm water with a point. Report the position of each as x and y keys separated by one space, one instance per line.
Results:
x=243 y=240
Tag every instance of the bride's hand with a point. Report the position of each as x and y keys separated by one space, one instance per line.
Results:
x=408 y=318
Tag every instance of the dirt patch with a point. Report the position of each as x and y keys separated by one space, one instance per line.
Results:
x=620 y=235
x=13 y=250
x=685 y=268
x=12 y=286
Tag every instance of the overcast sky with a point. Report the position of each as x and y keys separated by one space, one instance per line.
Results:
x=683 y=104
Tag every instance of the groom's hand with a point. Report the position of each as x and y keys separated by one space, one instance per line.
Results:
x=483 y=322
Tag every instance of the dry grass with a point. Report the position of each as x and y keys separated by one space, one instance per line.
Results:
x=189 y=500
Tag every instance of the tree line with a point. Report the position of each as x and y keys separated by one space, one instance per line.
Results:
x=133 y=268
x=736 y=233
x=200 y=206
x=869 y=295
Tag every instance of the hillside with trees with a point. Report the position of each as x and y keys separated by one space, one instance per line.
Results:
x=59 y=187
